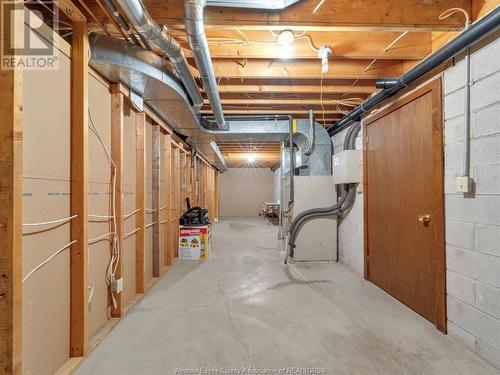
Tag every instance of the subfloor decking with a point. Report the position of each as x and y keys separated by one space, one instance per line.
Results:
x=245 y=309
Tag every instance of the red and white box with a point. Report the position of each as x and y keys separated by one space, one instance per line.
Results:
x=195 y=242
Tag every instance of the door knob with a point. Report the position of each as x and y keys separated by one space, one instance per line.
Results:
x=424 y=218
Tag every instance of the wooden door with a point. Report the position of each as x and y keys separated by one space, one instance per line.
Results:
x=404 y=228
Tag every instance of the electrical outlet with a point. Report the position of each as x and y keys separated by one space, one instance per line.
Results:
x=117 y=286
x=464 y=184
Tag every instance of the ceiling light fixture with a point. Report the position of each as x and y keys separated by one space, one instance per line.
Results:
x=286 y=37
x=250 y=158
x=324 y=53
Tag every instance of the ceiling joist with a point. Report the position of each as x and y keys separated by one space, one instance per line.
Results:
x=345 y=45
x=304 y=69
x=339 y=15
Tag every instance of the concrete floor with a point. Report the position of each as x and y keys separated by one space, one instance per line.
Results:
x=245 y=309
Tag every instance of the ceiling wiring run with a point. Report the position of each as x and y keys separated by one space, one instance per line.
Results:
x=387 y=48
x=318 y=6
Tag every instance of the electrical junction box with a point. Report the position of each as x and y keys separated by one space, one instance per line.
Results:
x=117 y=286
x=464 y=184
x=346 y=167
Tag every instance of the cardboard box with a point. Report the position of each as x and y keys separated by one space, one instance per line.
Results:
x=195 y=242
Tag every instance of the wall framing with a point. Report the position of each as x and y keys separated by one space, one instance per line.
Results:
x=11 y=143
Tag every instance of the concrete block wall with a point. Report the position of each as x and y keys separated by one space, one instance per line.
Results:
x=350 y=231
x=473 y=221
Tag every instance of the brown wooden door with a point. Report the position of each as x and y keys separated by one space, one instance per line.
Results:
x=405 y=253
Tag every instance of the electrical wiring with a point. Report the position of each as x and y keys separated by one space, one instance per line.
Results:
x=42 y=223
x=243 y=35
x=102 y=237
x=125 y=217
x=115 y=253
x=48 y=260
x=389 y=46
x=127 y=235
x=223 y=41
x=149 y=210
x=319 y=5
x=352 y=86
x=369 y=65
x=395 y=41
x=150 y=224
x=309 y=41
x=447 y=13
x=90 y=291
x=100 y=218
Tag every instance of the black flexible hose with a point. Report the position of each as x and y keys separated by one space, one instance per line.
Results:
x=477 y=31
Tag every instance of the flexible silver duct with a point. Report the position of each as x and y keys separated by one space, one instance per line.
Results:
x=195 y=29
x=162 y=43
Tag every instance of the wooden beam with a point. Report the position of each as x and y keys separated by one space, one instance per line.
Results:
x=269 y=112
x=183 y=182
x=167 y=180
x=175 y=199
x=481 y=7
x=289 y=102
x=11 y=161
x=117 y=109
x=156 y=159
x=345 y=45
x=140 y=186
x=79 y=190
x=69 y=366
x=303 y=69
x=71 y=10
x=295 y=89
x=216 y=195
x=394 y=15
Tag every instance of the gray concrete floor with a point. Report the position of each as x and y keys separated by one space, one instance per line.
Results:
x=245 y=309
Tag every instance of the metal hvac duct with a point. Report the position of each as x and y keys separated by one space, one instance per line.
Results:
x=195 y=29
x=162 y=43
x=147 y=76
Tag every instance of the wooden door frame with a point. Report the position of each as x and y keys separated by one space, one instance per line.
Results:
x=435 y=87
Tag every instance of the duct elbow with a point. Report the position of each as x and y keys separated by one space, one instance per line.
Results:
x=195 y=29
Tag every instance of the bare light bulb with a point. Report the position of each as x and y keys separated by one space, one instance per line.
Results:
x=250 y=158
x=286 y=37
x=324 y=53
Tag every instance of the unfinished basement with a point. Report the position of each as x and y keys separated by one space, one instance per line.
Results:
x=282 y=187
